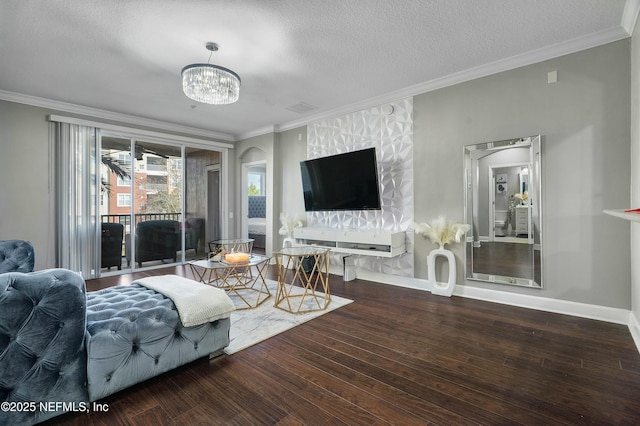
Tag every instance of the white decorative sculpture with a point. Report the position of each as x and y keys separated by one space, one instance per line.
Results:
x=441 y=231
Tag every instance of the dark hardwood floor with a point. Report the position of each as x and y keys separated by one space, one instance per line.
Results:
x=403 y=357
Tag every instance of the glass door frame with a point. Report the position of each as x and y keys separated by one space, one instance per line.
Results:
x=167 y=140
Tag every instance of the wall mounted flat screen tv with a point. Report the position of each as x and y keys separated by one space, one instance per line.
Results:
x=346 y=181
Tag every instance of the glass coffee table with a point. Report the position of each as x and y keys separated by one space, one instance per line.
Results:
x=243 y=282
x=244 y=245
x=303 y=279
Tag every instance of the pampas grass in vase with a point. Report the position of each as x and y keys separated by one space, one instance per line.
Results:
x=289 y=224
x=441 y=231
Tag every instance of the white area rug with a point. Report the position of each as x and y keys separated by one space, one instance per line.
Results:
x=251 y=326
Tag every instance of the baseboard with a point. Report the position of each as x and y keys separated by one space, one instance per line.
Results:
x=566 y=307
x=583 y=310
x=634 y=329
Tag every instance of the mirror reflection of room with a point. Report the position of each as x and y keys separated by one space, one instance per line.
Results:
x=511 y=203
x=500 y=209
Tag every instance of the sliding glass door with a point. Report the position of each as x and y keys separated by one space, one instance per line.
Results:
x=117 y=176
x=154 y=202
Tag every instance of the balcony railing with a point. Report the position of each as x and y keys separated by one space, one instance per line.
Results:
x=157 y=167
x=125 y=219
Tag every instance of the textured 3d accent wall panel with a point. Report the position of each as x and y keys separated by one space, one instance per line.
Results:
x=388 y=128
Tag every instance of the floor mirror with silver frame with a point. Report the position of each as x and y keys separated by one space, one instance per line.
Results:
x=502 y=205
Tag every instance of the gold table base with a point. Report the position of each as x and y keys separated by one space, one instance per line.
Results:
x=236 y=279
x=307 y=269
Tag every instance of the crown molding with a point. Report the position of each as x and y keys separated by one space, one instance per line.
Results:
x=630 y=15
x=517 y=61
x=258 y=132
x=110 y=115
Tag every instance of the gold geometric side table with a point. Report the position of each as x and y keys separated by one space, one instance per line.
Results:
x=236 y=278
x=303 y=279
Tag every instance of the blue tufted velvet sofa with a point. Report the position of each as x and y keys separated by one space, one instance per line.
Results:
x=16 y=256
x=42 y=342
x=60 y=344
x=134 y=334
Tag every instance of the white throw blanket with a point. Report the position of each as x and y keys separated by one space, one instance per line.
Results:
x=196 y=303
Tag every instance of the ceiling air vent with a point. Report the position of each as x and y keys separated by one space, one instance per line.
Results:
x=301 y=107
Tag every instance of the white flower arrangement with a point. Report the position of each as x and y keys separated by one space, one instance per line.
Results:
x=289 y=224
x=442 y=231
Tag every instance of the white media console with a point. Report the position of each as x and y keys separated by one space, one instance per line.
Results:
x=366 y=243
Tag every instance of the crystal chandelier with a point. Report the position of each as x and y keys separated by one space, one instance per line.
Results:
x=210 y=84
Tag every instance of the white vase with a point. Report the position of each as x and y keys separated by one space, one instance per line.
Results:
x=441 y=289
x=288 y=242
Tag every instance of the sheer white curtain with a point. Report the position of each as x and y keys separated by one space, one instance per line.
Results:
x=77 y=198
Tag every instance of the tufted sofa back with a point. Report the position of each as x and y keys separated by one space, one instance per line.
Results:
x=42 y=331
x=16 y=256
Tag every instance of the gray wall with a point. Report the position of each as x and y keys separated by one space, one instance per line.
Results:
x=585 y=123
x=584 y=120
x=291 y=149
x=26 y=193
x=253 y=149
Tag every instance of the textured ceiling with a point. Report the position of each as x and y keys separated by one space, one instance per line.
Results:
x=125 y=56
